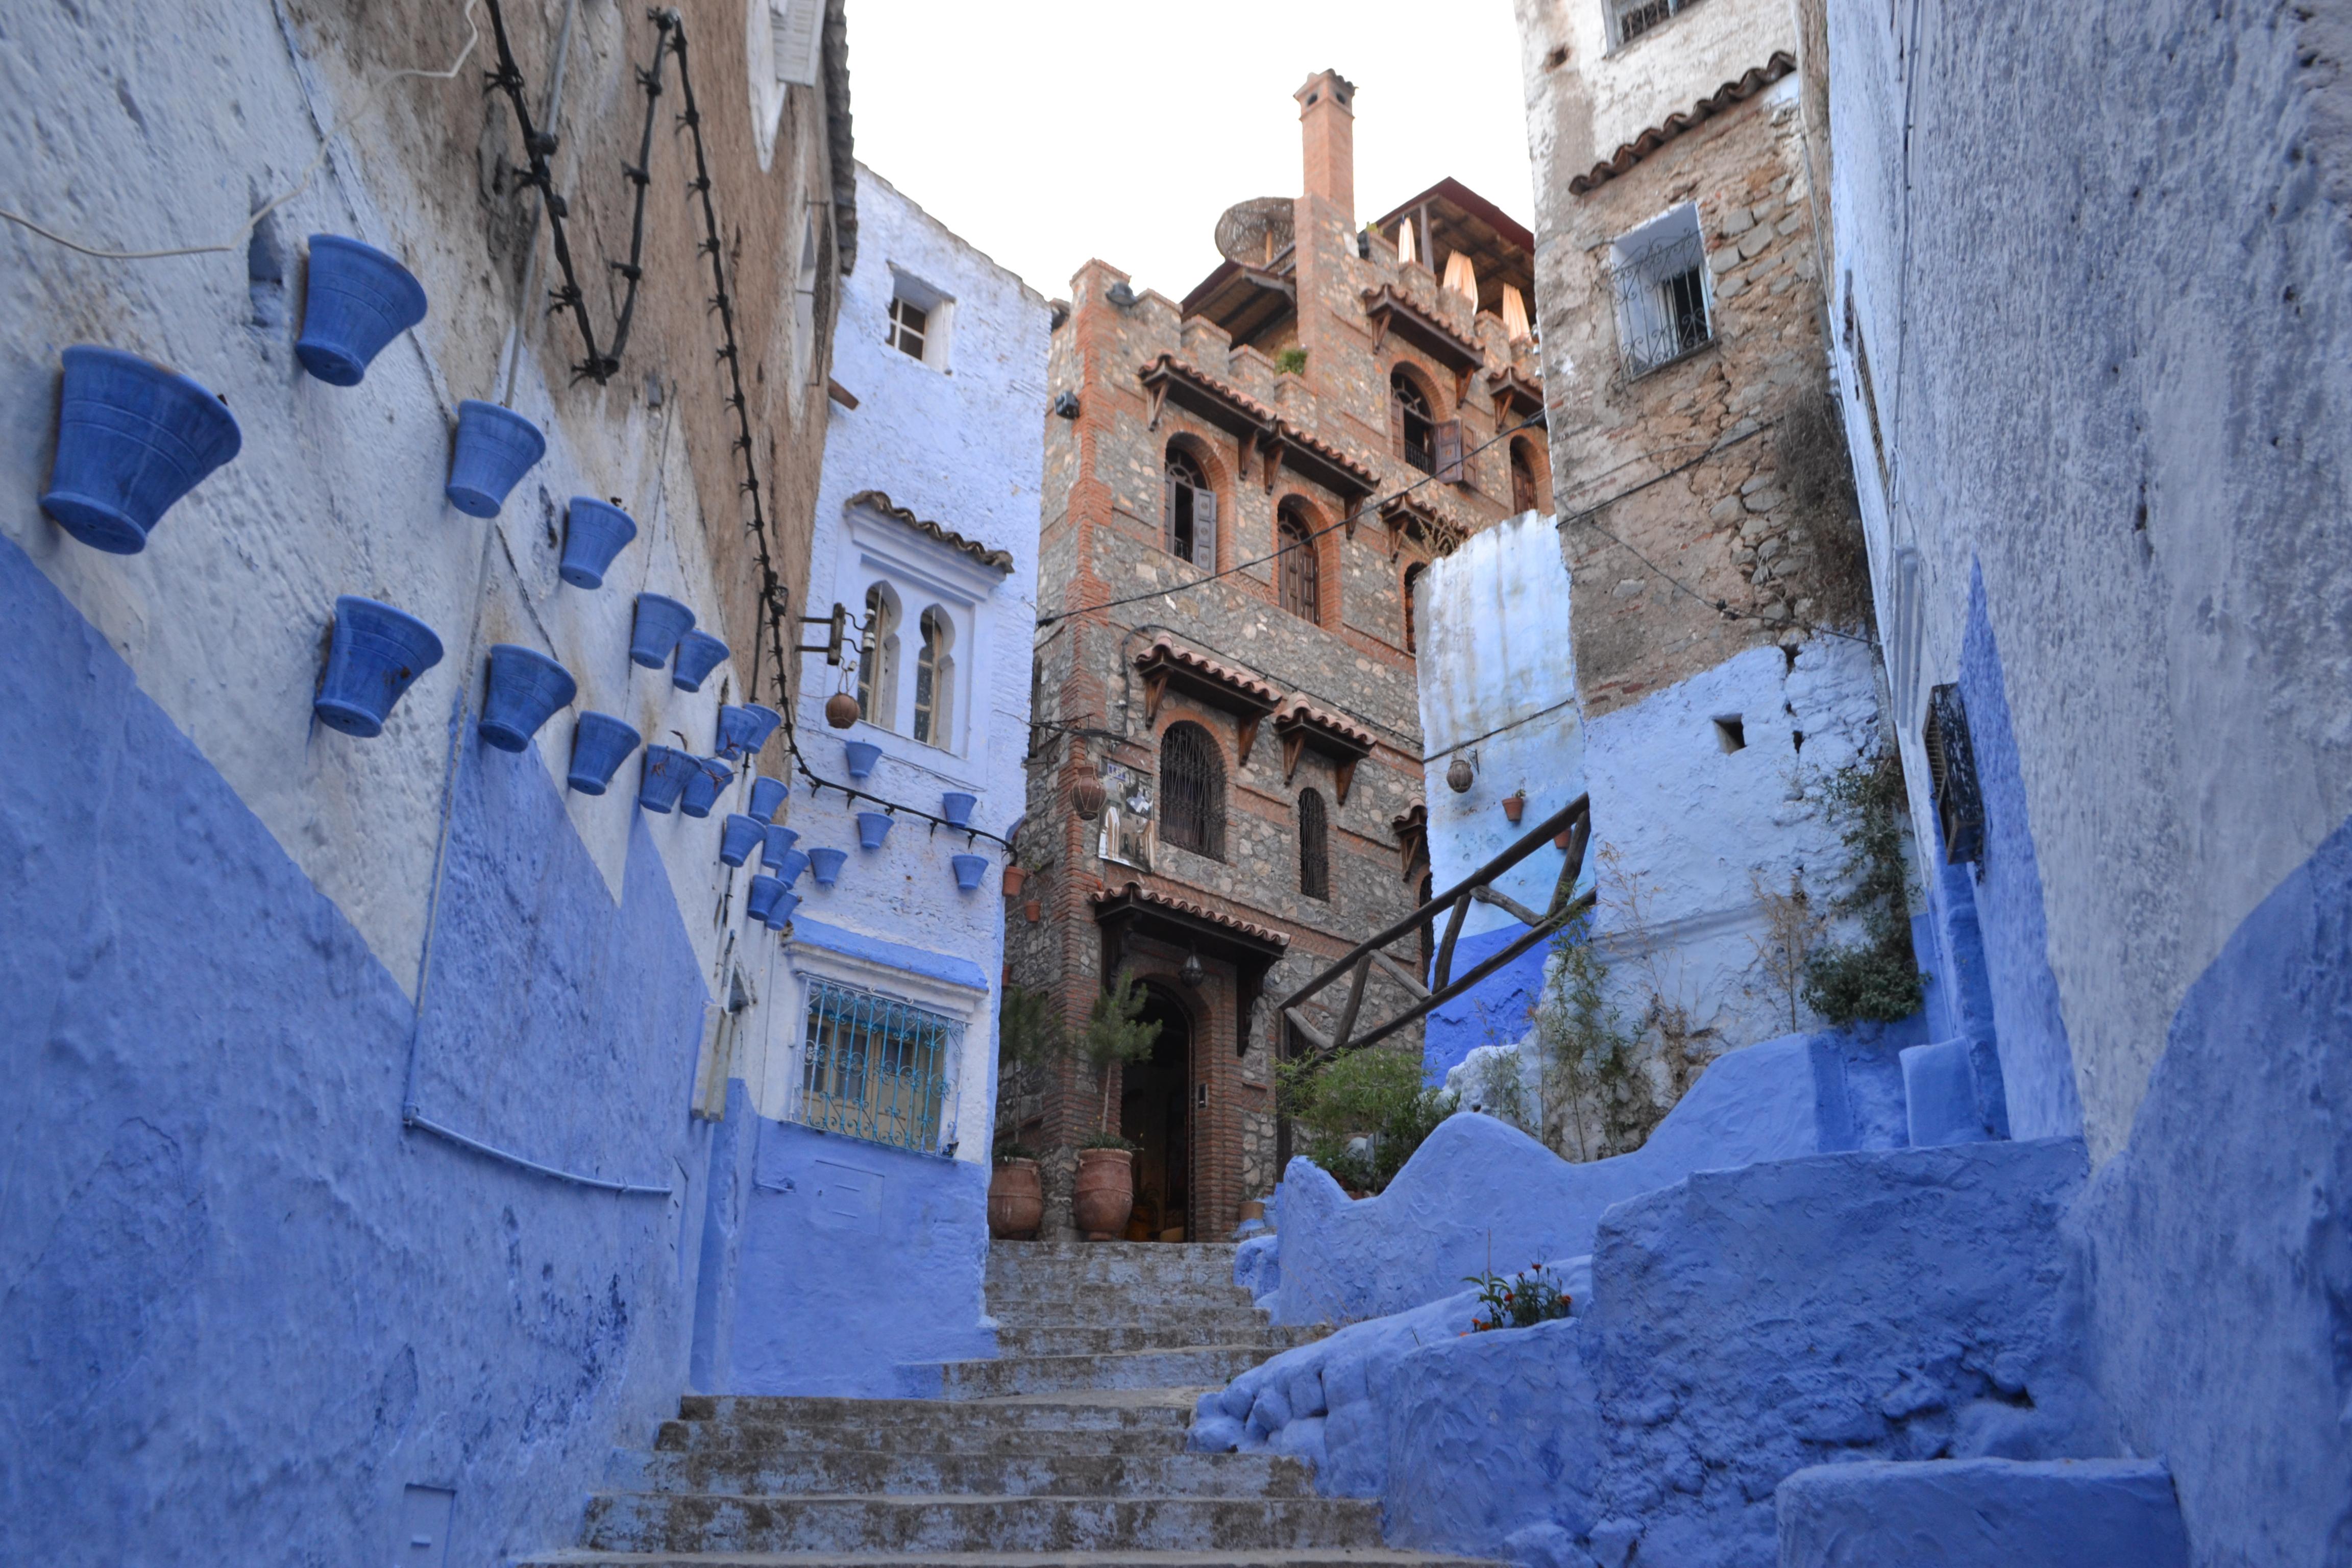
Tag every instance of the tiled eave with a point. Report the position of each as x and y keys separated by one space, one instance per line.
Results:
x=1403 y=512
x=1318 y=462
x=1393 y=311
x=1729 y=94
x=1514 y=395
x=1001 y=560
x=1137 y=899
x=1169 y=380
x=1305 y=727
x=1167 y=663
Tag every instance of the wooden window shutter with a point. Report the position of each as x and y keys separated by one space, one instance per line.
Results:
x=799 y=37
x=1168 y=510
x=1205 y=529
x=1445 y=447
x=1396 y=423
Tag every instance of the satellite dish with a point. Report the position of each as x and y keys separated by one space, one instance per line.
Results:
x=1253 y=233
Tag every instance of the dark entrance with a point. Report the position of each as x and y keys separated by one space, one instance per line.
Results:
x=1155 y=1110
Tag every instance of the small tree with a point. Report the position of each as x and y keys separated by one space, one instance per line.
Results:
x=1372 y=1093
x=1115 y=1034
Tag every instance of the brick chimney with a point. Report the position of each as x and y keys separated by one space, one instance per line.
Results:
x=1327 y=118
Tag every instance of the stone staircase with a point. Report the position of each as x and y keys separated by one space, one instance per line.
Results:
x=1069 y=1449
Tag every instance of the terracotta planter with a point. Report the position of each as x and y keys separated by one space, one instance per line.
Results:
x=1032 y=911
x=1105 y=1195
x=1515 y=806
x=1014 y=877
x=1016 y=1201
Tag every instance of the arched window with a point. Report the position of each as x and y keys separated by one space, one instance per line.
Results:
x=1296 y=541
x=935 y=679
x=1412 y=425
x=1313 y=847
x=1527 y=489
x=1192 y=791
x=877 y=658
x=1412 y=617
x=1188 y=509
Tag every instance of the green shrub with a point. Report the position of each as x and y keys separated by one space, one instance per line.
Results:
x=1374 y=1094
x=1876 y=978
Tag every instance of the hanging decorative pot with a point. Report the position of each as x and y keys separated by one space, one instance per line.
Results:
x=742 y=731
x=1459 y=774
x=779 y=913
x=765 y=891
x=661 y=622
x=1014 y=877
x=841 y=709
x=702 y=786
x=494 y=448
x=698 y=654
x=955 y=807
x=738 y=837
x=1032 y=911
x=526 y=688
x=968 y=870
x=376 y=653
x=1088 y=797
x=600 y=744
x=667 y=769
x=789 y=866
x=593 y=532
x=873 y=826
x=355 y=301
x=781 y=840
x=825 y=866
x=133 y=438
x=1515 y=806
x=767 y=795
x=862 y=755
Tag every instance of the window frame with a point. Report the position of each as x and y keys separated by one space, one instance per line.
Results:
x=935 y=334
x=1206 y=835
x=1297 y=563
x=1199 y=542
x=1313 y=847
x=1659 y=280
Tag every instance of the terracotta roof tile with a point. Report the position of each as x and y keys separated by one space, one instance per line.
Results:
x=1142 y=894
x=1247 y=685
x=1169 y=365
x=1330 y=724
x=1749 y=84
x=1353 y=468
x=1000 y=559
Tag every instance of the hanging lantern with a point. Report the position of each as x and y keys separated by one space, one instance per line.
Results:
x=1192 y=973
x=1088 y=797
x=841 y=709
x=1459 y=775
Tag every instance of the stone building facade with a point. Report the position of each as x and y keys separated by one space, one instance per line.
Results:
x=1241 y=489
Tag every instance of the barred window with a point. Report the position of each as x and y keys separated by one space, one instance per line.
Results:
x=875 y=1068
x=1192 y=791
x=1411 y=424
x=1301 y=592
x=1658 y=274
x=1631 y=18
x=1314 y=845
x=1189 y=509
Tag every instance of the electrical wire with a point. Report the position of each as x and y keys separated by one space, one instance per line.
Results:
x=243 y=231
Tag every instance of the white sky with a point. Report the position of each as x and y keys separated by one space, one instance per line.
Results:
x=1048 y=133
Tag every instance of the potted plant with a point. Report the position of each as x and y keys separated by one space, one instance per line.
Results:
x=525 y=688
x=600 y=744
x=968 y=870
x=767 y=795
x=375 y=654
x=357 y=300
x=1016 y=1198
x=594 y=534
x=702 y=786
x=1115 y=1033
x=698 y=654
x=1515 y=806
x=662 y=622
x=1014 y=877
x=494 y=448
x=133 y=438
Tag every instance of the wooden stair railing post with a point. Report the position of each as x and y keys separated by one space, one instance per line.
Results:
x=1445 y=948
x=1355 y=1003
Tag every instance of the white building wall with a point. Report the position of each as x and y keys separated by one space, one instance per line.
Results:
x=1625 y=90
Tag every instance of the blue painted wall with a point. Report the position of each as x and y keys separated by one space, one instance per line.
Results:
x=2035 y=1063
x=241 y=1309
x=1494 y=1013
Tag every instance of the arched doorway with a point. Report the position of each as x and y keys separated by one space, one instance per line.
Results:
x=1155 y=1111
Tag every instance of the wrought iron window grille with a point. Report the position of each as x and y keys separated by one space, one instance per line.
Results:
x=875 y=1068
x=1192 y=792
x=1662 y=305
x=1952 y=767
x=1632 y=18
x=1313 y=847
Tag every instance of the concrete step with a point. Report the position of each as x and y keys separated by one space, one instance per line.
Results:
x=1077 y=1410
x=1133 y=1262
x=686 y=1438
x=1305 y=1557
x=1201 y=1366
x=763 y=1469
x=1039 y=1304
x=705 y=1522
x=1105 y=1339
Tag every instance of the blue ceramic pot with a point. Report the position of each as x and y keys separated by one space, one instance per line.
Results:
x=738 y=837
x=594 y=534
x=765 y=891
x=955 y=807
x=661 y=621
x=667 y=771
x=862 y=755
x=698 y=654
x=781 y=840
x=600 y=744
x=133 y=438
x=376 y=653
x=767 y=795
x=873 y=826
x=825 y=866
x=494 y=448
x=703 y=785
x=779 y=913
x=526 y=688
x=789 y=866
x=357 y=299
x=744 y=729
x=968 y=870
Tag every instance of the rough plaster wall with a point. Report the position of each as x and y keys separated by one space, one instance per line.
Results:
x=1618 y=93
x=2154 y=485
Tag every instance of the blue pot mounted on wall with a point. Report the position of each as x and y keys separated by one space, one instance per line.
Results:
x=698 y=654
x=356 y=301
x=789 y=866
x=765 y=891
x=825 y=866
x=494 y=448
x=779 y=913
x=738 y=837
x=133 y=438
x=955 y=807
x=742 y=731
x=873 y=826
x=666 y=770
x=377 y=652
x=767 y=795
x=968 y=870
x=703 y=785
x=661 y=621
x=594 y=534
x=600 y=744
x=862 y=755
x=526 y=688
x=781 y=840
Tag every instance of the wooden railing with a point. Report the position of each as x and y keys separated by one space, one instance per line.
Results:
x=1574 y=819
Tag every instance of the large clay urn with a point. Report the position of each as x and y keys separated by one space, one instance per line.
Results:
x=1016 y=1201
x=1105 y=1195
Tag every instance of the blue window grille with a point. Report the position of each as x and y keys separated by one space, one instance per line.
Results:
x=874 y=1067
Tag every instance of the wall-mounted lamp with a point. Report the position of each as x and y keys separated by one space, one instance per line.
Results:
x=1192 y=973
x=1460 y=775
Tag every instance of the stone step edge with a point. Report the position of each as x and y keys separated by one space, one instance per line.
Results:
x=1328 y=1557
x=935 y=1499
